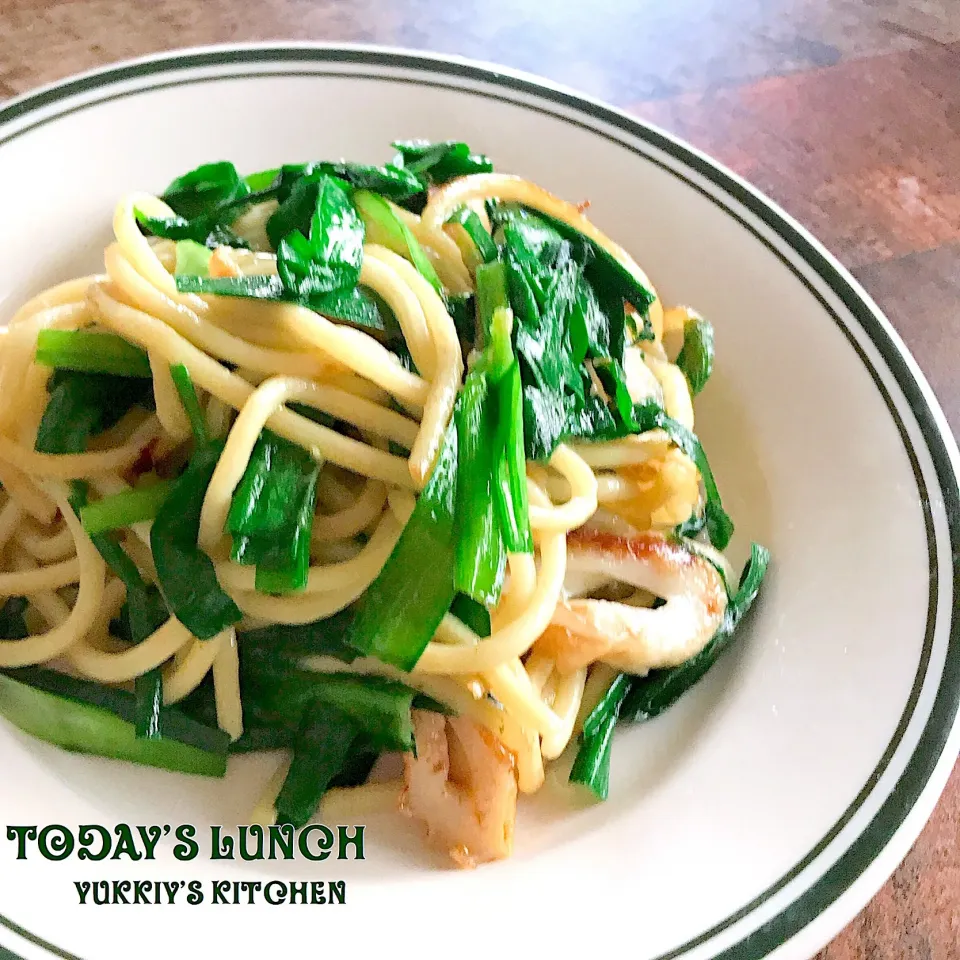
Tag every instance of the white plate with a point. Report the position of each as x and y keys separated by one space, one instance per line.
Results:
x=761 y=813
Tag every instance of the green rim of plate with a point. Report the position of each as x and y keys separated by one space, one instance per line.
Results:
x=864 y=850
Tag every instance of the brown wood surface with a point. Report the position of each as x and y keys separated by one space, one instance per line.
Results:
x=847 y=112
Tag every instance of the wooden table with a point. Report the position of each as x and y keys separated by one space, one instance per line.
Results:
x=846 y=112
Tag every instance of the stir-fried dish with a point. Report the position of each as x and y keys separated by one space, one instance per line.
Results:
x=345 y=461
